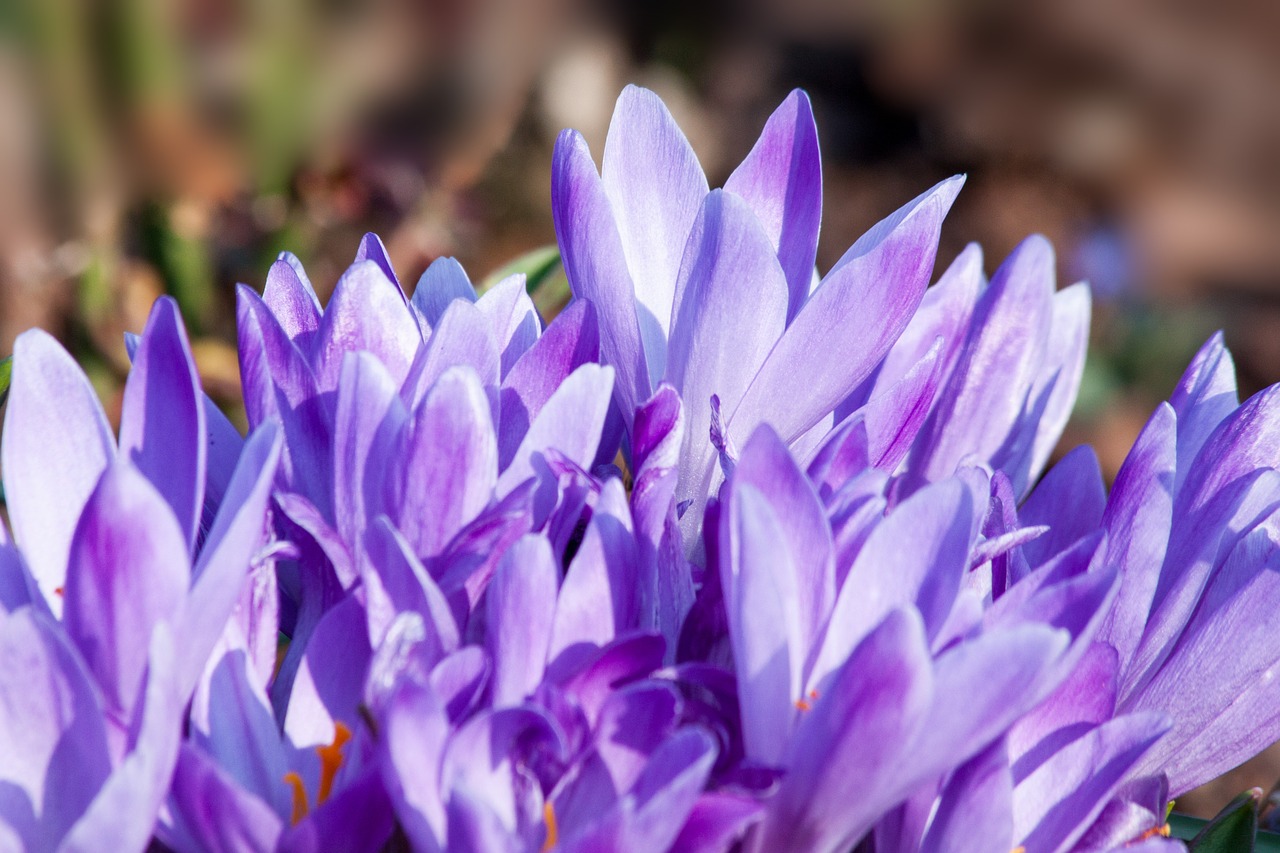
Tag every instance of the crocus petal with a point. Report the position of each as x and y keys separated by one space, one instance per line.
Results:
x=722 y=333
x=522 y=603
x=781 y=179
x=128 y=572
x=1055 y=804
x=416 y=730
x=53 y=747
x=329 y=685
x=1205 y=395
x=368 y=311
x=444 y=281
x=975 y=807
x=1059 y=378
x=1009 y=333
x=212 y=808
x=570 y=422
x=237 y=534
x=512 y=317
x=655 y=186
x=462 y=337
x=877 y=284
x=596 y=266
x=123 y=814
x=371 y=249
x=56 y=446
x=1075 y=482
x=448 y=465
x=894 y=418
x=570 y=341
x=394 y=582
x=358 y=818
x=162 y=427
x=289 y=295
x=852 y=740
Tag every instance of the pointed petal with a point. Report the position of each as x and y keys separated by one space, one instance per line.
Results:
x=367 y=312
x=162 y=422
x=876 y=286
x=781 y=179
x=515 y=322
x=329 y=685
x=127 y=573
x=395 y=582
x=724 y=331
x=211 y=807
x=655 y=186
x=894 y=418
x=1059 y=378
x=1076 y=482
x=371 y=249
x=444 y=281
x=448 y=464
x=596 y=266
x=462 y=337
x=56 y=445
x=522 y=603
x=975 y=807
x=289 y=295
x=1205 y=395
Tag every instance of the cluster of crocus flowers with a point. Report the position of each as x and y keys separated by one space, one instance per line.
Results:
x=727 y=556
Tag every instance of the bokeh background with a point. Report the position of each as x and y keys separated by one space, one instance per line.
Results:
x=152 y=146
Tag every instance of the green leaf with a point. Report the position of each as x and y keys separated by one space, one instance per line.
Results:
x=1234 y=830
x=537 y=267
x=6 y=374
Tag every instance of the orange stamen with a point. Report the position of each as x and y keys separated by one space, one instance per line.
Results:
x=1018 y=849
x=331 y=760
x=813 y=694
x=1165 y=831
x=59 y=591
x=802 y=705
x=294 y=781
x=553 y=831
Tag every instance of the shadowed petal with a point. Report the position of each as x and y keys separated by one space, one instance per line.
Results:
x=1075 y=482
x=56 y=446
x=369 y=417
x=289 y=295
x=1205 y=396
x=211 y=807
x=781 y=179
x=522 y=604
x=444 y=281
x=515 y=322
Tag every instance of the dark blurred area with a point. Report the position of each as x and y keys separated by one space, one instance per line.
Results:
x=152 y=146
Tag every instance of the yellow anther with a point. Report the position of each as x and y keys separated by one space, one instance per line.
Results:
x=553 y=831
x=294 y=781
x=331 y=760
x=1018 y=849
x=1165 y=831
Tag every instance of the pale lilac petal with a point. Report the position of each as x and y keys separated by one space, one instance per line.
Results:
x=570 y=341
x=570 y=422
x=723 y=331
x=1138 y=520
x=597 y=600
x=655 y=187
x=123 y=814
x=853 y=739
x=371 y=249
x=1205 y=395
x=522 y=605
x=368 y=419
x=53 y=747
x=515 y=322
x=367 y=312
x=128 y=571
x=1056 y=804
x=876 y=286
x=781 y=179
x=594 y=262
x=462 y=337
x=762 y=602
x=238 y=532
x=1087 y=698
x=1011 y=327
x=894 y=417
x=394 y=582
x=415 y=732
x=289 y=295
x=162 y=428
x=444 y=281
x=1059 y=378
x=211 y=807
x=766 y=465
x=633 y=723
x=445 y=469
x=1245 y=441
x=1075 y=482
x=56 y=445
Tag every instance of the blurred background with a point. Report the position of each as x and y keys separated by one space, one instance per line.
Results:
x=152 y=146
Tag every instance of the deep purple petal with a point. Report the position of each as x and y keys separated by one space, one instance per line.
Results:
x=214 y=812
x=975 y=807
x=371 y=249
x=358 y=818
x=128 y=571
x=655 y=187
x=56 y=446
x=289 y=295
x=515 y=322
x=329 y=685
x=1075 y=482
x=781 y=179
x=876 y=286
x=162 y=427
x=522 y=604
x=592 y=252
x=894 y=418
